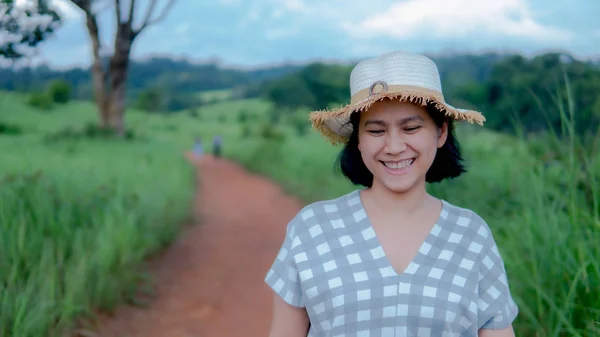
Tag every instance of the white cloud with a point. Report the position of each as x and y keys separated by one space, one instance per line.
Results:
x=457 y=18
x=230 y=2
x=294 y=5
x=280 y=33
x=252 y=16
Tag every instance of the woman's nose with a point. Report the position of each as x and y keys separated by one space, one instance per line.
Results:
x=394 y=143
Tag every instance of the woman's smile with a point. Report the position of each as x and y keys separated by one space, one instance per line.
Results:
x=398 y=167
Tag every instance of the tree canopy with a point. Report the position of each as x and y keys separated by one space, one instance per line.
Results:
x=24 y=25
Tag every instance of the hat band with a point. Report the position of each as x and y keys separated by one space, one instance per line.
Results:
x=388 y=90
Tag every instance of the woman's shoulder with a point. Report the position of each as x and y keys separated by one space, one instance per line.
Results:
x=330 y=209
x=466 y=218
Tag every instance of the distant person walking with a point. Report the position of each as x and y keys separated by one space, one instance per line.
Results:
x=217 y=144
x=198 y=148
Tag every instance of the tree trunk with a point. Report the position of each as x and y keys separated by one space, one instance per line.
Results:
x=98 y=73
x=119 y=65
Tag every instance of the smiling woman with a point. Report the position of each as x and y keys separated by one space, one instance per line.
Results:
x=385 y=122
x=391 y=259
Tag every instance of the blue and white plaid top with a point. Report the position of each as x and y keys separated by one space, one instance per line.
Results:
x=332 y=263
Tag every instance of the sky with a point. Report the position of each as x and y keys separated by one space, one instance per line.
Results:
x=252 y=33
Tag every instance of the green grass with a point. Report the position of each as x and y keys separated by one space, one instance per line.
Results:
x=79 y=217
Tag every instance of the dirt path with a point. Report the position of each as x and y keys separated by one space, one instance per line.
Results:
x=210 y=282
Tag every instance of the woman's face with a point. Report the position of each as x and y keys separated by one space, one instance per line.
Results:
x=398 y=142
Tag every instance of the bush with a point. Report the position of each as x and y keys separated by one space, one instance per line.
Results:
x=193 y=112
x=88 y=131
x=270 y=132
x=246 y=131
x=60 y=91
x=150 y=100
x=10 y=129
x=243 y=116
x=40 y=100
x=299 y=121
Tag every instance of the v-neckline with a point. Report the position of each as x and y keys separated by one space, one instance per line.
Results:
x=416 y=256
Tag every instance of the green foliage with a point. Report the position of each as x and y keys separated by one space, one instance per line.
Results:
x=60 y=91
x=25 y=28
x=63 y=233
x=299 y=122
x=315 y=86
x=271 y=132
x=88 y=131
x=243 y=116
x=246 y=131
x=10 y=129
x=181 y=79
x=149 y=100
x=527 y=91
x=193 y=112
x=80 y=216
x=290 y=91
x=41 y=100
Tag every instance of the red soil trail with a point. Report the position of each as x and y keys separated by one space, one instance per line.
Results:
x=210 y=282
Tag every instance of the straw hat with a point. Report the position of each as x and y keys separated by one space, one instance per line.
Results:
x=396 y=75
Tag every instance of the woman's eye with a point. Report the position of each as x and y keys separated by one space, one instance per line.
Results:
x=375 y=132
x=412 y=128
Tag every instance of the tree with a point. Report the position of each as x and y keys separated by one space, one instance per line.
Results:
x=109 y=83
x=24 y=26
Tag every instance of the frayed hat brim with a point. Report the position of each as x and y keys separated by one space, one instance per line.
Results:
x=335 y=127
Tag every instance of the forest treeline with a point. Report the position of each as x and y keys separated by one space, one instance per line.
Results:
x=507 y=88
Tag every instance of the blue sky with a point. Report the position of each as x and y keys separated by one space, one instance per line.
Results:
x=259 y=32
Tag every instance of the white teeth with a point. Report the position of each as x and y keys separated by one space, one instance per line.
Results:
x=399 y=165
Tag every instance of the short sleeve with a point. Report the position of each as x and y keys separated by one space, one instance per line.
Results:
x=496 y=306
x=282 y=277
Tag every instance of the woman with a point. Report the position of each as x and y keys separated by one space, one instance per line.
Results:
x=389 y=259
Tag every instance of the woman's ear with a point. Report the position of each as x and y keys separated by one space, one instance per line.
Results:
x=442 y=134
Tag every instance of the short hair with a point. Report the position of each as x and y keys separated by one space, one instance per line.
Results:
x=448 y=162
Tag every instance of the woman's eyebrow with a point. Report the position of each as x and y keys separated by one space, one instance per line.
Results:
x=400 y=122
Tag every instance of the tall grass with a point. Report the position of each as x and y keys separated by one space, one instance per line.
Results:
x=553 y=247
x=545 y=214
x=77 y=220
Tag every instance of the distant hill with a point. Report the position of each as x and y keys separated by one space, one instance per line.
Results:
x=186 y=77
x=157 y=73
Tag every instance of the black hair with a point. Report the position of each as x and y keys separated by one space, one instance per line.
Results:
x=448 y=162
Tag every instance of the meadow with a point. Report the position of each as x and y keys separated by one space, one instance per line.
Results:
x=80 y=214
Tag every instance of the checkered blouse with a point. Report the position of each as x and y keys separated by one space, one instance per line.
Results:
x=332 y=263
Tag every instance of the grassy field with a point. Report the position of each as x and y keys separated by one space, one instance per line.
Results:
x=79 y=215
x=84 y=206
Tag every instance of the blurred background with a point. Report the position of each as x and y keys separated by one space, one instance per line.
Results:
x=96 y=104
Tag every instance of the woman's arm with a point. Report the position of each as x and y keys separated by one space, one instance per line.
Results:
x=507 y=332
x=288 y=321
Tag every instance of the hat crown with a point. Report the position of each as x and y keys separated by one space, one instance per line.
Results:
x=396 y=68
